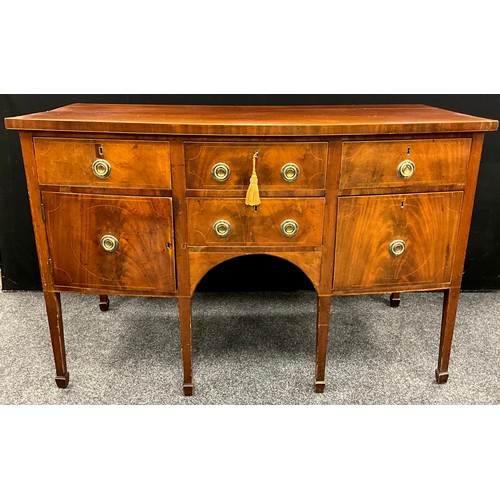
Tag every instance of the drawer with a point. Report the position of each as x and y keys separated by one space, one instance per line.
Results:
x=83 y=231
x=103 y=163
x=277 y=222
x=280 y=166
x=393 y=241
x=433 y=163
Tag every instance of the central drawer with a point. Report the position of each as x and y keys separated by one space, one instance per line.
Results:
x=280 y=166
x=277 y=222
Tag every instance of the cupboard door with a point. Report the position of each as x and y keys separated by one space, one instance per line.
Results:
x=395 y=240
x=114 y=243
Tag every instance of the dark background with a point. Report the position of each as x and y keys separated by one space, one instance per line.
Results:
x=18 y=260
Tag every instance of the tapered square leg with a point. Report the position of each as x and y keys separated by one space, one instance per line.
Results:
x=186 y=343
x=395 y=299
x=322 y=323
x=450 y=305
x=62 y=381
x=103 y=303
x=54 y=315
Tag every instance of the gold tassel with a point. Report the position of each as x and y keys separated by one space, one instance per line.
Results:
x=253 y=197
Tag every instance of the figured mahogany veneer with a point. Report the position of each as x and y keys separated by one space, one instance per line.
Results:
x=367 y=225
x=310 y=159
x=371 y=166
x=252 y=121
x=142 y=226
x=134 y=164
x=146 y=199
x=253 y=227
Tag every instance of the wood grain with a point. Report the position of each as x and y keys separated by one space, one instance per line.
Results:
x=255 y=227
x=143 y=226
x=451 y=296
x=54 y=315
x=330 y=216
x=162 y=193
x=182 y=263
x=264 y=193
x=427 y=223
x=468 y=205
x=450 y=305
x=202 y=262
x=369 y=166
x=186 y=331
x=322 y=325
x=180 y=217
x=35 y=200
x=251 y=120
x=134 y=164
x=348 y=201
x=309 y=157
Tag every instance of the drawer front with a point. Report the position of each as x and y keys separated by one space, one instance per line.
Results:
x=277 y=222
x=83 y=231
x=393 y=241
x=103 y=163
x=280 y=166
x=372 y=165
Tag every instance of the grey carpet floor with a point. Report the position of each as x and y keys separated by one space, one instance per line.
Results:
x=250 y=348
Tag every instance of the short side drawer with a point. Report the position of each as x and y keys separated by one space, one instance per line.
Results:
x=280 y=166
x=277 y=222
x=368 y=166
x=395 y=240
x=127 y=164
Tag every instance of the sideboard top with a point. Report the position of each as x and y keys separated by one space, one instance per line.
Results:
x=251 y=120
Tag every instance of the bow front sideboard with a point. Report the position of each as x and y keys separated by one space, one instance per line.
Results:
x=146 y=199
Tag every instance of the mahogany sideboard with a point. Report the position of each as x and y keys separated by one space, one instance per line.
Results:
x=146 y=199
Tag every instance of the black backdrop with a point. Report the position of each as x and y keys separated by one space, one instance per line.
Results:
x=17 y=246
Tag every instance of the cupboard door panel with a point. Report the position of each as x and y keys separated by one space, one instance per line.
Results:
x=111 y=242
x=395 y=240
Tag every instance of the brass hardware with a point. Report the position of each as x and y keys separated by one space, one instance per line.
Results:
x=221 y=172
x=101 y=169
x=109 y=243
x=397 y=248
x=51 y=266
x=406 y=169
x=44 y=217
x=289 y=228
x=222 y=228
x=290 y=172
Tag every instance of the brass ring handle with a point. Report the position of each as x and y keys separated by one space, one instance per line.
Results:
x=397 y=248
x=406 y=169
x=290 y=172
x=289 y=228
x=101 y=169
x=222 y=228
x=221 y=172
x=109 y=243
